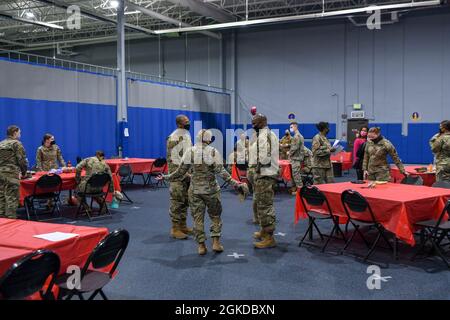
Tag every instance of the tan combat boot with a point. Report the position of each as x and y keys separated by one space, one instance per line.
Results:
x=258 y=234
x=184 y=228
x=202 y=249
x=268 y=241
x=176 y=232
x=217 y=247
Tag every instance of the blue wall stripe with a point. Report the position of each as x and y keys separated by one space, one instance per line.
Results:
x=80 y=129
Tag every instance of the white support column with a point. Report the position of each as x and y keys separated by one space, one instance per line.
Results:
x=121 y=77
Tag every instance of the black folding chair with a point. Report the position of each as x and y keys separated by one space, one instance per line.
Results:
x=435 y=231
x=125 y=174
x=47 y=187
x=315 y=198
x=29 y=275
x=413 y=180
x=94 y=189
x=354 y=202
x=441 y=184
x=107 y=253
x=307 y=179
x=158 y=167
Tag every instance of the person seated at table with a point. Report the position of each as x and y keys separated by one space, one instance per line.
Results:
x=285 y=144
x=92 y=165
x=321 y=149
x=358 y=152
x=375 y=164
x=49 y=154
x=13 y=166
x=440 y=146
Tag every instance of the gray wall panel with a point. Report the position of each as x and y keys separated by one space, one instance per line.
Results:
x=26 y=81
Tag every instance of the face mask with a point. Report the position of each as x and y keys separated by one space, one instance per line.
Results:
x=256 y=128
x=187 y=126
x=53 y=143
x=292 y=131
x=363 y=134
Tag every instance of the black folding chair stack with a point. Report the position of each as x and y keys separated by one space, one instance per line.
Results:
x=413 y=180
x=29 y=275
x=353 y=202
x=158 y=167
x=435 y=232
x=94 y=188
x=312 y=196
x=107 y=253
x=126 y=175
x=441 y=184
x=47 y=188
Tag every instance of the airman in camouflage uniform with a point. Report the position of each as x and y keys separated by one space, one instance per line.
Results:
x=285 y=143
x=13 y=163
x=321 y=150
x=251 y=171
x=307 y=160
x=375 y=163
x=178 y=143
x=296 y=156
x=92 y=165
x=48 y=155
x=242 y=150
x=264 y=156
x=440 y=146
x=204 y=191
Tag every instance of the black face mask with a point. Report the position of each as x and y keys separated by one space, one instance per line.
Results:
x=53 y=143
x=187 y=126
x=256 y=128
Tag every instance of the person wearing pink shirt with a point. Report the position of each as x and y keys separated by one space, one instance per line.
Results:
x=358 y=154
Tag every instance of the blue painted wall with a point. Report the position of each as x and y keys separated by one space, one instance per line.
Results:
x=80 y=129
x=149 y=128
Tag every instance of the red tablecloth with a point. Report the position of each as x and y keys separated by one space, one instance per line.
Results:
x=68 y=183
x=347 y=163
x=428 y=177
x=137 y=165
x=16 y=240
x=285 y=170
x=396 y=206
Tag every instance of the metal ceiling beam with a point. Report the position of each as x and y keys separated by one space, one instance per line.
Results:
x=310 y=16
x=205 y=10
x=38 y=23
x=162 y=17
x=96 y=16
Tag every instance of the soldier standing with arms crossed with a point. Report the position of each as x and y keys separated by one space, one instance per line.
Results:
x=178 y=143
x=13 y=165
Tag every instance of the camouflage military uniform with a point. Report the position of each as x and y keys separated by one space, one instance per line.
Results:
x=296 y=158
x=48 y=158
x=92 y=166
x=13 y=162
x=375 y=159
x=204 y=191
x=264 y=156
x=242 y=151
x=307 y=160
x=284 y=147
x=321 y=161
x=178 y=143
x=440 y=145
